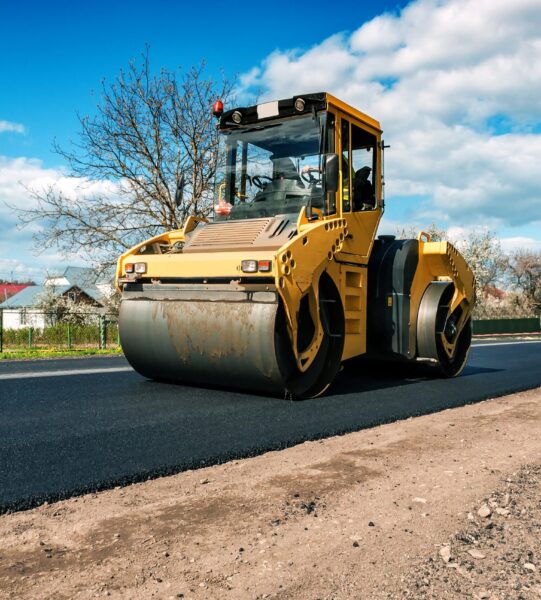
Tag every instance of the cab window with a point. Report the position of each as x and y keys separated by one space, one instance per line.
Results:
x=363 y=169
x=346 y=203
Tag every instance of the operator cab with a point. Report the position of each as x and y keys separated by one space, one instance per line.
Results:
x=308 y=151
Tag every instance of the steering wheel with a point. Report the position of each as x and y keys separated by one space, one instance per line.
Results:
x=258 y=181
x=309 y=176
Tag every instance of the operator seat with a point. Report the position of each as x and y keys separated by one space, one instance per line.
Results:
x=363 y=190
x=284 y=168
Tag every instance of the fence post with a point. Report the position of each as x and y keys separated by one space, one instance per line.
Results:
x=69 y=336
x=1 y=329
x=103 y=333
x=30 y=336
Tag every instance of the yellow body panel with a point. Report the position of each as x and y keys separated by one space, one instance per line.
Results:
x=212 y=264
x=352 y=284
x=300 y=264
x=353 y=112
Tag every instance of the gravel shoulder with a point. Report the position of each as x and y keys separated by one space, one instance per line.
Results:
x=441 y=506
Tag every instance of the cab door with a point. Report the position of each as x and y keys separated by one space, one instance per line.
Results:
x=360 y=186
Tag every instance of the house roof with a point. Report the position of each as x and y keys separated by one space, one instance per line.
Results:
x=106 y=276
x=79 y=276
x=82 y=277
x=30 y=296
x=93 y=293
x=9 y=289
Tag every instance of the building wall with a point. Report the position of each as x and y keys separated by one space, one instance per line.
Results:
x=19 y=318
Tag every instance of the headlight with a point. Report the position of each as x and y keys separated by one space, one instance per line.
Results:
x=249 y=266
x=140 y=268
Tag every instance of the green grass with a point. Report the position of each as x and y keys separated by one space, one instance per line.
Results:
x=54 y=353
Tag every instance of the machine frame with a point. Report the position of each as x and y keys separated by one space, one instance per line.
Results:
x=419 y=289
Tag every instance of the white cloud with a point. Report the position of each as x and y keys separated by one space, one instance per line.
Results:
x=520 y=243
x=12 y=127
x=458 y=234
x=20 y=175
x=18 y=270
x=440 y=76
x=17 y=252
x=456 y=34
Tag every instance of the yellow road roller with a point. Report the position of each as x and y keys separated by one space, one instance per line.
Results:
x=288 y=280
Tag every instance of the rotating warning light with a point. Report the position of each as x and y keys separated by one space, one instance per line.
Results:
x=218 y=109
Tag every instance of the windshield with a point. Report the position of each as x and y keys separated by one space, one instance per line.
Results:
x=271 y=169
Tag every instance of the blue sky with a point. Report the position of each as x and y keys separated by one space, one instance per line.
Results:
x=455 y=84
x=53 y=55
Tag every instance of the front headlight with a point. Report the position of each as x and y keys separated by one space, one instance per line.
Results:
x=249 y=266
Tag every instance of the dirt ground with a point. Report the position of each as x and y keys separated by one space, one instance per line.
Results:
x=441 y=506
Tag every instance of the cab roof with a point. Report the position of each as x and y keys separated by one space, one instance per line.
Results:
x=290 y=107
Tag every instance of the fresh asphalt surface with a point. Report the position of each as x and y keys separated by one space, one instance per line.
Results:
x=71 y=426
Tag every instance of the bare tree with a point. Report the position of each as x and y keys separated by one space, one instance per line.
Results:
x=483 y=252
x=436 y=234
x=525 y=275
x=145 y=161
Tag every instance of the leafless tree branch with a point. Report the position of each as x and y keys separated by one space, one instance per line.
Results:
x=149 y=133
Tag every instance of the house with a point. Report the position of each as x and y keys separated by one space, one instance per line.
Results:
x=80 y=285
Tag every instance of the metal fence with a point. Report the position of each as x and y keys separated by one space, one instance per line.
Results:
x=506 y=326
x=22 y=330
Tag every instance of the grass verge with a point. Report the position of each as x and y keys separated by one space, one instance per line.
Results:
x=55 y=353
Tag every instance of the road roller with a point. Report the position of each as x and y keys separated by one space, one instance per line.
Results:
x=287 y=279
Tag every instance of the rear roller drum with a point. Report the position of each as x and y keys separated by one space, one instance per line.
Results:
x=443 y=336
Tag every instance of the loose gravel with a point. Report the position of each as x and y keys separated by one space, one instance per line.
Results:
x=497 y=553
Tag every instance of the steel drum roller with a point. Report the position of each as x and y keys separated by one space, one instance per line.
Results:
x=220 y=336
x=212 y=343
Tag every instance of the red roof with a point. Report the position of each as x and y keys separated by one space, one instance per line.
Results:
x=492 y=290
x=10 y=289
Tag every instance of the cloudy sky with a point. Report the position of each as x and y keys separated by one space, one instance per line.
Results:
x=455 y=84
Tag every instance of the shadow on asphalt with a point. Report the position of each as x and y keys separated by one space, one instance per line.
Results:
x=359 y=376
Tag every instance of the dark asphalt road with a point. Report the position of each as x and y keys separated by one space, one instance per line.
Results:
x=67 y=434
